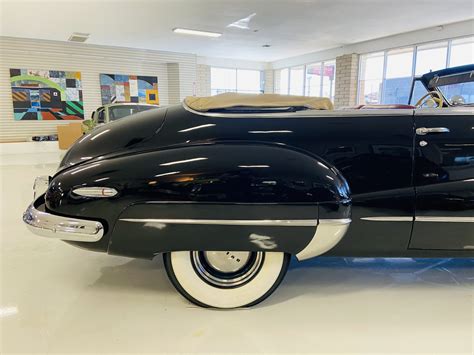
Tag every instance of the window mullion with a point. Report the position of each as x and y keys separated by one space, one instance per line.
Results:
x=384 y=75
x=448 y=53
x=413 y=67
x=321 y=76
x=236 y=78
x=304 y=80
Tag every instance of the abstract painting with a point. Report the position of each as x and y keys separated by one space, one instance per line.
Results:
x=46 y=95
x=129 y=88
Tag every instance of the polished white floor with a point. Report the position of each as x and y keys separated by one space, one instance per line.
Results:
x=59 y=299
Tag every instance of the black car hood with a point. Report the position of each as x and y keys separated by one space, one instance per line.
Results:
x=128 y=133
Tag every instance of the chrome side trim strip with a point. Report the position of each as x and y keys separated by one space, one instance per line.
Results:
x=335 y=221
x=328 y=233
x=420 y=219
x=307 y=113
x=389 y=219
x=445 y=219
x=64 y=228
x=456 y=110
x=229 y=222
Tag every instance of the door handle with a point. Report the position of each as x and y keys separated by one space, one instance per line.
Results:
x=427 y=130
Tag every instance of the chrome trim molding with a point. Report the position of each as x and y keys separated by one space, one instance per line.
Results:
x=445 y=219
x=328 y=233
x=229 y=222
x=65 y=228
x=95 y=191
x=420 y=219
x=308 y=113
x=457 y=110
x=388 y=219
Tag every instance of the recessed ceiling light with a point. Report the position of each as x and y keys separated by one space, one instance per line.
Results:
x=187 y=31
x=266 y=45
x=79 y=37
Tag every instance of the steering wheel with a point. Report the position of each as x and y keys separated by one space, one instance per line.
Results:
x=435 y=95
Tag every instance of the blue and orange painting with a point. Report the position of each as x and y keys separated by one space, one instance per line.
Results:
x=46 y=95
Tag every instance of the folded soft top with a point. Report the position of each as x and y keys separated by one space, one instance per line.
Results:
x=229 y=100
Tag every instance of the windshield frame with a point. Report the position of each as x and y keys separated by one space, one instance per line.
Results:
x=431 y=81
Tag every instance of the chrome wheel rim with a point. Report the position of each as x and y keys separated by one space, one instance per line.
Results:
x=226 y=269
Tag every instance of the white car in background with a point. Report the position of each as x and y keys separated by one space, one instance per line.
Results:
x=115 y=111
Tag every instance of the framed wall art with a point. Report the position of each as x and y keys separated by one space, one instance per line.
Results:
x=129 y=88
x=46 y=95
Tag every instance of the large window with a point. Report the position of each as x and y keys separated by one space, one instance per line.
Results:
x=385 y=77
x=398 y=76
x=430 y=57
x=370 y=83
x=236 y=80
x=316 y=79
x=462 y=52
x=297 y=80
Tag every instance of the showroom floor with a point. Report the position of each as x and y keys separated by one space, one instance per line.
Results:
x=57 y=298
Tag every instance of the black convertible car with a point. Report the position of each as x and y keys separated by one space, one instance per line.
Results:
x=228 y=187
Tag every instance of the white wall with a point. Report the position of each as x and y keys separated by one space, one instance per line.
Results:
x=459 y=29
x=176 y=74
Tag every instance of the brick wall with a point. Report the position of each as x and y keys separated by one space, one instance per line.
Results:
x=347 y=70
x=268 y=85
x=203 y=80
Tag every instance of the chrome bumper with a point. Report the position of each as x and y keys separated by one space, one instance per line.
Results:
x=66 y=228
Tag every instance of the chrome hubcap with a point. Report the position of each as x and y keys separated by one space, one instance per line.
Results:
x=226 y=269
x=226 y=261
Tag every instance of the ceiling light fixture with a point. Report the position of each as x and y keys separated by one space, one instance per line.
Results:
x=187 y=31
x=243 y=23
x=266 y=45
x=78 y=37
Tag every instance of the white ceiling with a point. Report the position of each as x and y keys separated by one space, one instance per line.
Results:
x=291 y=27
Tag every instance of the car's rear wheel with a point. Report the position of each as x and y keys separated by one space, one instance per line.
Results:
x=225 y=279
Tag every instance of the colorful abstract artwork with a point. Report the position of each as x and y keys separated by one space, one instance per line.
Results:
x=46 y=95
x=129 y=88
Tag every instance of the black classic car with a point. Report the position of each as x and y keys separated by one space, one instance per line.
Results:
x=228 y=187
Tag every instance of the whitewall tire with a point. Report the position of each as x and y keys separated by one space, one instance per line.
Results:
x=226 y=279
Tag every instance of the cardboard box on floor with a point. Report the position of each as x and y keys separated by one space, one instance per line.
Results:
x=68 y=134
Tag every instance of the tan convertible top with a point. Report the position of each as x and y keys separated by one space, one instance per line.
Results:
x=228 y=100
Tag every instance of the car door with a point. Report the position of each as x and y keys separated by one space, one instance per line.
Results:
x=444 y=179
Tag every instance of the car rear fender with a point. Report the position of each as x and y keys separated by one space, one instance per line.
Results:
x=229 y=196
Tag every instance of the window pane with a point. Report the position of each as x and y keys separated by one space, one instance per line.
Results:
x=223 y=80
x=248 y=81
x=465 y=90
x=122 y=111
x=313 y=79
x=371 y=74
x=462 y=52
x=396 y=87
x=283 y=87
x=418 y=91
x=329 y=75
x=431 y=57
x=296 y=80
x=399 y=63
